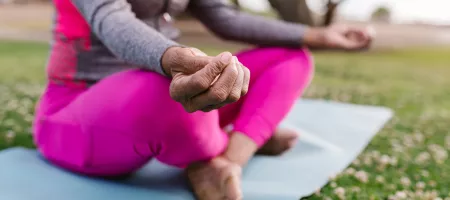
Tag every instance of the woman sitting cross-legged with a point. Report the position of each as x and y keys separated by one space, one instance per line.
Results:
x=121 y=91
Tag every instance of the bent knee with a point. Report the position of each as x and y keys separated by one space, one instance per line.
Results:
x=279 y=55
x=303 y=57
x=191 y=138
x=299 y=63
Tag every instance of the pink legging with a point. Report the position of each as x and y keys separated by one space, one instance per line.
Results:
x=119 y=124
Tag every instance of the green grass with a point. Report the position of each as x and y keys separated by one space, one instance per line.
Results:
x=409 y=155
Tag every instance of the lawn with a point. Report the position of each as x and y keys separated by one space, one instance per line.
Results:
x=408 y=158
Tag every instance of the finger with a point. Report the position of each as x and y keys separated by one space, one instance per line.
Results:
x=213 y=107
x=219 y=92
x=363 y=35
x=356 y=35
x=211 y=72
x=245 y=86
x=366 y=33
x=344 y=43
x=236 y=90
x=246 y=81
x=361 y=38
x=187 y=86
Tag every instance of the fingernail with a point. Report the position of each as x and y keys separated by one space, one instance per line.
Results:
x=225 y=57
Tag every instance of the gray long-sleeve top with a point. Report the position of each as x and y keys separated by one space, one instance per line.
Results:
x=133 y=33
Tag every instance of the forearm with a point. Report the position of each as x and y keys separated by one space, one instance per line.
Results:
x=231 y=24
x=127 y=37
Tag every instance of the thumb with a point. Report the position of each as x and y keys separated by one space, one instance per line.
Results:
x=193 y=60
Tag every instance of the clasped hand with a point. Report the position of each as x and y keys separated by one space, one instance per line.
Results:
x=204 y=83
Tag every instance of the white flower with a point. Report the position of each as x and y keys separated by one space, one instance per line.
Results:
x=333 y=184
x=408 y=141
x=340 y=192
x=356 y=189
x=401 y=195
x=385 y=159
x=423 y=158
x=420 y=185
x=432 y=183
x=418 y=137
x=9 y=137
x=379 y=179
x=362 y=176
x=350 y=171
x=439 y=153
x=375 y=154
x=332 y=177
x=405 y=181
x=317 y=192
x=394 y=161
x=367 y=160
x=425 y=173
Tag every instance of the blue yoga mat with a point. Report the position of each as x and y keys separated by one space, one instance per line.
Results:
x=332 y=136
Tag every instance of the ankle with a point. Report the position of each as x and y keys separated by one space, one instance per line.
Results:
x=240 y=149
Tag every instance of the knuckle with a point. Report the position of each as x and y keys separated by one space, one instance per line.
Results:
x=234 y=71
x=234 y=97
x=174 y=94
x=214 y=69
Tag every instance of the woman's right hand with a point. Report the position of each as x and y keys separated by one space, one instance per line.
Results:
x=201 y=82
x=339 y=36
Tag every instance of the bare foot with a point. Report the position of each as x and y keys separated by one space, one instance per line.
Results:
x=281 y=141
x=218 y=179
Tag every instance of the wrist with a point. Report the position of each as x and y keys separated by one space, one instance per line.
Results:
x=314 y=37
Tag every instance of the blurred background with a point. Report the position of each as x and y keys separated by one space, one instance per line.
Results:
x=407 y=70
x=399 y=23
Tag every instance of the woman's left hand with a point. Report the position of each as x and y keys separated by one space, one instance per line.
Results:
x=339 y=37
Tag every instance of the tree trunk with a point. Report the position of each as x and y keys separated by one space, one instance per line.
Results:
x=236 y=2
x=293 y=11
x=297 y=11
x=331 y=12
